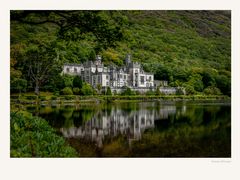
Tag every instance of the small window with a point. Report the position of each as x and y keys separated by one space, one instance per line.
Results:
x=142 y=79
x=107 y=77
x=125 y=77
x=75 y=70
x=68 y=70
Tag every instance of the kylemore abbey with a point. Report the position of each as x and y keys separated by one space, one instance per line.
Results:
x=130 y=75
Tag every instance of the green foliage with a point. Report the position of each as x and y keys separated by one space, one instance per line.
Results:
x=211 y=90
x=77 y=82
x=33 y=137
x=69 y=97
x=187 y=48
x=224 y=84
x=111 y=56
x=157 y=91
x=109 y=92
x=128 y=92
x=56 y=93
x=76 y=91
x=87 y=89
x=196 y=82
x=18 y=85
x=150 y=92
x=67 y=91
x=99 y=88
x=189 y=89
x=208 y=77
x=68 y=80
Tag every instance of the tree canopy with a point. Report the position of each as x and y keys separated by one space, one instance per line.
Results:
x=187 y=48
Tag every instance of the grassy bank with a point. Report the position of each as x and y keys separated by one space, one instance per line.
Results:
x=48 y=98
x=34 y=137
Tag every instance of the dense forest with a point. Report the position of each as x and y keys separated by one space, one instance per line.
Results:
x=187 y=48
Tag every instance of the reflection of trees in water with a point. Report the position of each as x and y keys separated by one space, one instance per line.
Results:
x=189 y=139
x=170 y=123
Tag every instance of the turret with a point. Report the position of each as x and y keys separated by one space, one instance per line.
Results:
x=128 y=59
x=98 y=60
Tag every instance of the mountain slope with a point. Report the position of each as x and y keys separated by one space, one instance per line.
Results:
x=187 y=48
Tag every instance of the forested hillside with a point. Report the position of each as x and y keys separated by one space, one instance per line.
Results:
x=188 y=48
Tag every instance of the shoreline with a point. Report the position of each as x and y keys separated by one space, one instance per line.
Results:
x=74 y=99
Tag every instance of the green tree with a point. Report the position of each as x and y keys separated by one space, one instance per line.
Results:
x=76 y=91
x=68 y=80
x=105 y=26
x=196 y=82
x=128 y=92
x=157 y=91
x=18 y=85
x=109 y=92
x=41 y=61
x=99 y=88
x=77 y=82
x=67 y=91
x=208 y=78
x=224 y=84
x=87 y=89
x=211 y=90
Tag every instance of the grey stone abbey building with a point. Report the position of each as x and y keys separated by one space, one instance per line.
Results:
x=130 y=75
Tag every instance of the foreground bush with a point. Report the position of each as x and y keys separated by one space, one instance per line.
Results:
x=33 y=137
x=67 y=91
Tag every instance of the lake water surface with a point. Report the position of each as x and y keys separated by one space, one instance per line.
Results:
x=144 y=129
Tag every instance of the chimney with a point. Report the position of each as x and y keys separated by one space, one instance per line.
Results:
x=128 y=59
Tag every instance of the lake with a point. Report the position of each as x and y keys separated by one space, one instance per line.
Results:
x=143 y=129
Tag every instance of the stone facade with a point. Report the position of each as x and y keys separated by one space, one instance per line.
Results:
x=95 y=73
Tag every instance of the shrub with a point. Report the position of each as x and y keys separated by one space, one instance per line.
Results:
x=150 y=93
x=69 y=97
x=77 y=82
x=157 y=92
x=189 y=89
x=109 y=92
x=33 y=137
x=87 y=89
x=76 y=91
x=68 y=80
x=128 y=92
x=67 y=91
x=211 y=90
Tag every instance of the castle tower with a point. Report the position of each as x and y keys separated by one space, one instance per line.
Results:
x=128 y=59
x=98 y=60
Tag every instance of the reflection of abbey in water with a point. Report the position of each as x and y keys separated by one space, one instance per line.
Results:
x=130 y=124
